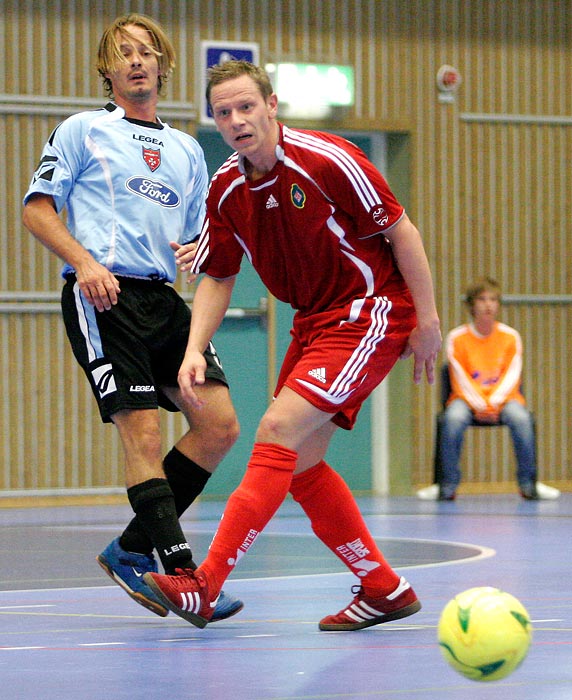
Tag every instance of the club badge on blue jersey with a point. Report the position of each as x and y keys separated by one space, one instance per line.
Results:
x=152 y=157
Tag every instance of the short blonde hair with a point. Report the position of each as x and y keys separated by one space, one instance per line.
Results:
x=109 y=54
x=235 y=69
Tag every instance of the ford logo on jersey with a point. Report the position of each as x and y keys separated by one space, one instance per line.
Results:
x=154 y=190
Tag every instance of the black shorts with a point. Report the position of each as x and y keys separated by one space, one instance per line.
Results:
x=133 y=350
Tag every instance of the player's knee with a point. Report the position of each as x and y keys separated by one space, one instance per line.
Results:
x=223 y=433
x=230 y=432
x=272 y=429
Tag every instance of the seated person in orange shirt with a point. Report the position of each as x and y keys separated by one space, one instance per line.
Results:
x=485 y=365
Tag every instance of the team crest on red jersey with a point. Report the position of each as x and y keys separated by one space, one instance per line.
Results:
x=298 y=196
x=380 y=216
x=152 y=157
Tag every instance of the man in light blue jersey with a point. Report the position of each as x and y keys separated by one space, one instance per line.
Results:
x=134 y=191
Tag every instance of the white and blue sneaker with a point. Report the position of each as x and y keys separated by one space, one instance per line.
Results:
x=127 y=570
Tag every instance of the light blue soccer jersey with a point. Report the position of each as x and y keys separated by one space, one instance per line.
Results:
x=129 y=189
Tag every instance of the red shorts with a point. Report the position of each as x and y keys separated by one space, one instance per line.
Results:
x=338 y=357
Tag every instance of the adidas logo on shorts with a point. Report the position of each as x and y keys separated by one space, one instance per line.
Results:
x=319 y=374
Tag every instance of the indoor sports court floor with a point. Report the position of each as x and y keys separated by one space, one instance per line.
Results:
x=67 y=632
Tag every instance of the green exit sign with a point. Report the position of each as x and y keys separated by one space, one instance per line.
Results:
x=309 y=86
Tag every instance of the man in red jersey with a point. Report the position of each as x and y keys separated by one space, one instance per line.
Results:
x=325 y=233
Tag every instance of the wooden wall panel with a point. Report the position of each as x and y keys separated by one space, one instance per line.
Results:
x=491 y=187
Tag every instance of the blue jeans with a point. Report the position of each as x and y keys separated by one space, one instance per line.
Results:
x=457 y=417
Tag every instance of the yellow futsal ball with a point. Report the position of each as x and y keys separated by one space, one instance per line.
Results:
x=484 y=633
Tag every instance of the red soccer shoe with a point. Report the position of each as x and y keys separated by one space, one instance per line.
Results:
x=365 y=611
x=186 y=594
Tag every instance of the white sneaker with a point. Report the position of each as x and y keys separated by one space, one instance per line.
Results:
x=546 y=493
x=429 y=493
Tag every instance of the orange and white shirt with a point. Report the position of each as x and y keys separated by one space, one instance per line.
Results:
x=486 y=370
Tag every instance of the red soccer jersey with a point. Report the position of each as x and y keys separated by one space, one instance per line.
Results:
x=312 y=227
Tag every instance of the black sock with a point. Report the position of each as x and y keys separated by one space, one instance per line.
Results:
x=154 y=506
x=187 y=481
x=185 y=477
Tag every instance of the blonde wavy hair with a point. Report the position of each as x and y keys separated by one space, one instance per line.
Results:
x=109 y=55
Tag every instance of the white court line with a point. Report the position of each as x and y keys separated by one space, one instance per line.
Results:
x=25 y=607
x=20 y=648
x=44 y=590
x=550 y=619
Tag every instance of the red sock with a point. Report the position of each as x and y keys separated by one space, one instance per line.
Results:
x=262 y=490
x=337 y=521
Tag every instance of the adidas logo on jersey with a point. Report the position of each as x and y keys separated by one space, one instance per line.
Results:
x=319 y=374
x=271 y=202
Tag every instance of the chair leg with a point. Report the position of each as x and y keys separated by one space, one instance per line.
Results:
x=535 y=442
x=437 y=466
